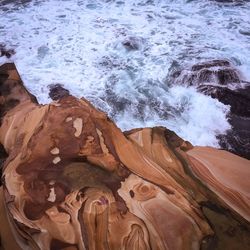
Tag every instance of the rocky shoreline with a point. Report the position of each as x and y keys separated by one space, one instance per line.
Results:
x=221 y=80
x=72 y=180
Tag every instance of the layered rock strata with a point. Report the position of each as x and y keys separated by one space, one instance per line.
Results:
x=73 y=180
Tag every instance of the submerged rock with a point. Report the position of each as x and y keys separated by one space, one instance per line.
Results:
x=6 y=52
x=73 y=180
x=133 y=43
x=219 y=72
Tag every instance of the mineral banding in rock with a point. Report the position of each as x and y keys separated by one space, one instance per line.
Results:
x=73 y=180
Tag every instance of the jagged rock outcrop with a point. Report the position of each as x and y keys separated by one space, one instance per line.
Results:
x=73 y=180
x=222 y=81
x=219 y=72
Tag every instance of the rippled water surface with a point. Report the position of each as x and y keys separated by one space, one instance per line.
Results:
x=118 y=54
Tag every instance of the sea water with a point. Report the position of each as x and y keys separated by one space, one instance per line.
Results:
x=118 y=55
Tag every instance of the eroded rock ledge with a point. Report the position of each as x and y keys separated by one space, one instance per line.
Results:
x=73 y=180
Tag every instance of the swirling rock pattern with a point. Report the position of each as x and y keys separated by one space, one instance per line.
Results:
x=73 y=180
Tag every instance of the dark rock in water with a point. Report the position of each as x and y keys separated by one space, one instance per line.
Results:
x=174 y=71
x=6 y=52
x=245 y=32
x=217 y=71
x=246 y=90
x=237 y=139
x=204 y=75
x=132 y=43
x=227 y=1
x=16 y=3
x=233 y=2
x=42 y=51
x=57 y=91
x=213 y=78
x=209 y=64
x=227 y=75
x=238 y=101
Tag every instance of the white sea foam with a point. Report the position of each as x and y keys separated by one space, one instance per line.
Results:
x=196 y=117
x=79 y=44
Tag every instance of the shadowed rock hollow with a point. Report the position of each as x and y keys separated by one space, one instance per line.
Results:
x=72 y=180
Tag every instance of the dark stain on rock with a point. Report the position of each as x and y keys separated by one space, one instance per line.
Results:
x=3 y=156
x=131 y=193
x=57 y=244
x=229 y=233
x=6 y=52
x=132 y=43
x=6 y=106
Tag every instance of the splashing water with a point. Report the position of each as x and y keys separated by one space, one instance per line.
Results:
x=117 y=54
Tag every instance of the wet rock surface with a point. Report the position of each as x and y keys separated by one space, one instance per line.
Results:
x=235 y=2
x=133 y=43
x=4 y=51
x=220 y=80
x=237 y=139
x=219 y=72
x=239 y=101
x=57 y=91
x=73 y=180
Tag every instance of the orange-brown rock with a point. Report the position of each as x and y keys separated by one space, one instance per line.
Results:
x=224 y=173
x=73 y=180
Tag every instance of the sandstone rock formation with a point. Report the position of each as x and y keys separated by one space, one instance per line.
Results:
x=73 y=180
